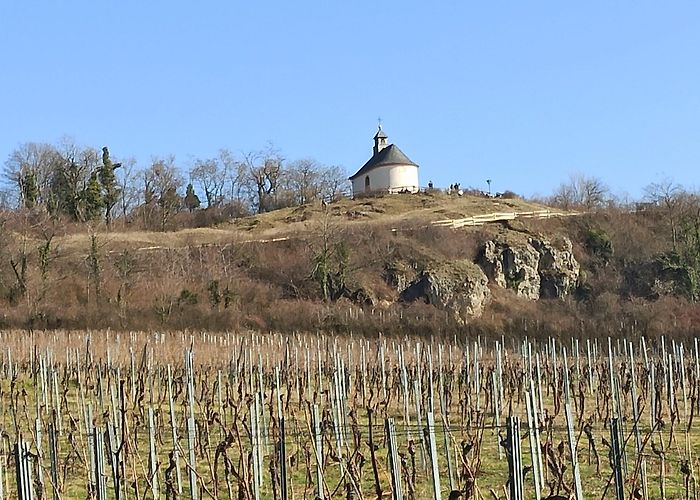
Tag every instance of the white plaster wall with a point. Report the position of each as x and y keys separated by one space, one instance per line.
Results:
x=390 y=178
x=403 y=177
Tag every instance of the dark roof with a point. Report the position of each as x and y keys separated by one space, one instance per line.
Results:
x=390 y=155
x=380 y=134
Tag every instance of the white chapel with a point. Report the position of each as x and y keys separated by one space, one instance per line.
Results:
x=389 y=170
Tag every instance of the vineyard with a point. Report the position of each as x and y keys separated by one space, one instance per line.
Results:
x=257 y=416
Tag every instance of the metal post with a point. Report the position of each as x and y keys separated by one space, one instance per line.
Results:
x=99 y=461
x=496 y=411
x=2 y=474
x=394 y=462
x=572 y=447
x=283 y=461
x=191 y=425
x=534 y=444
x=255 y=444
x=152 y=457
x=616 y=459
x=115 y=460
x=437 y=495
x=515 y=460
x=25 y=485
x=570 y=430
x=318 y=448
x=637 y=434
x=173 y=428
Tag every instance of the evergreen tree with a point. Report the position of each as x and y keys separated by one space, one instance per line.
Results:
x=30 y=191
x=91 y=199
x=191 y=199
x=110 y=187
x=67 y=189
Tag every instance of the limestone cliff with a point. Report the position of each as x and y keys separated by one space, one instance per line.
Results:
x=533 y=267
x=459 y=287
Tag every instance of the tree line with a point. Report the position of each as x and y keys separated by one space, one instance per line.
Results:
x=674 y=208
x=85 y=184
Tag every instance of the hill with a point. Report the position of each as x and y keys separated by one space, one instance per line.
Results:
x=423 y=263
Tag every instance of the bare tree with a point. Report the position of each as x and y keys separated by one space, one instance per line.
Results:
x=8 y=199
x=334 y=183
x=669 y=196
x=36 y=161
x=127 y=177
x=581 y=191
x=263 y=174
x=307 y=181
x=162 y=180
x=209 y=176
x=235 y=175
x=304 y=181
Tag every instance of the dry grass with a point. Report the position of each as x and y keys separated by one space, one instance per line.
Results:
x=230 y=368
x=398 y=210
x=406 y=211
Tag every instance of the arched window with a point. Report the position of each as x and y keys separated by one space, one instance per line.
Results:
x=367 y=183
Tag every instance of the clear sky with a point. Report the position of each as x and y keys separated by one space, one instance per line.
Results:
x=524 y=93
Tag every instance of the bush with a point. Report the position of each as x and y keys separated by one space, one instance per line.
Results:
x=598 y=243
x=510 y=195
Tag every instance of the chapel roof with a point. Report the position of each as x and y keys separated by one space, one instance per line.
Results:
x=390 y=155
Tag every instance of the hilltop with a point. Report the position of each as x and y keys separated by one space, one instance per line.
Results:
x=398 y=212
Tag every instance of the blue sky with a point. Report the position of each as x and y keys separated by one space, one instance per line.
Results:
x=524 y=93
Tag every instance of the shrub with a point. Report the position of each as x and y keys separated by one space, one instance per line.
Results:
x=598 y=243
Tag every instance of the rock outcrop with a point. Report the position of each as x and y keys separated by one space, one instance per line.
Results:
x=558 y=268
x=513 y=266
x=533 y=267
x=400 y=274
x=460 y=287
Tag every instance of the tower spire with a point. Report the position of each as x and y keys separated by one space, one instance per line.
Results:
x=380 y=138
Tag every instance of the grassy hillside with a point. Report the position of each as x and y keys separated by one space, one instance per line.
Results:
x=334 y=268
x=404 y=211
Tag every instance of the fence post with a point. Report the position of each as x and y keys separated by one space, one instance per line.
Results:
x=173 y=429
x=496 y=409
x=283 y=461
x=255 y=444
x=572 y=447
x=534 y=444
x=152 y=456
x=99 y=461
x=419 y=418
x=637 y=434
x=570 y=430
x=260 y=431
x=115 y=460
x=318 y=449
x=448 y=452
x=515 y=460
x=394 y=463
x=90 y=430
x=39 y=456
x=191 y=425
x=2 y=472
x=53 y=457
x=616 y=459
x=437 y=495
x=25 y=490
